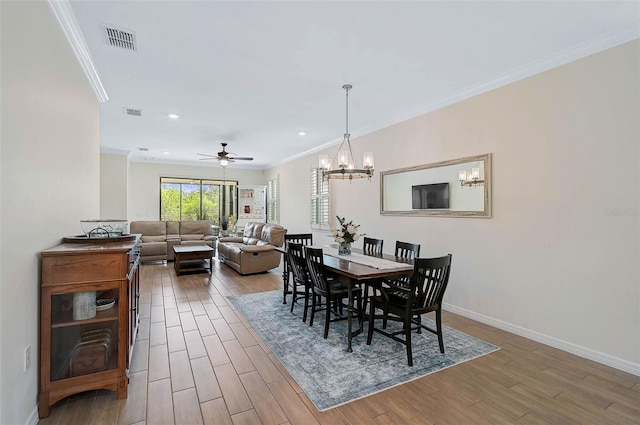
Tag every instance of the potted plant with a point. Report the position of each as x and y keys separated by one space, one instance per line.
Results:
x=224 y=225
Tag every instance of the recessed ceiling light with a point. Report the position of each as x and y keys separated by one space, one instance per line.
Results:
x=174 y=116
x=166 y=152
x=302 y=133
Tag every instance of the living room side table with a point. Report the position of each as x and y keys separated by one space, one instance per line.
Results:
x=192 y=258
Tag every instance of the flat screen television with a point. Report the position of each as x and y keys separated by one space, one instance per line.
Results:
x=430 y=196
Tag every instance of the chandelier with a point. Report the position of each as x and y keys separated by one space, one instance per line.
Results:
x=346 y=166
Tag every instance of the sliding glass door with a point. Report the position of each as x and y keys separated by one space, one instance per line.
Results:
x=197 y=199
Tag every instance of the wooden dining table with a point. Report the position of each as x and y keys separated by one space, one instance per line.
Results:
x=353 y=275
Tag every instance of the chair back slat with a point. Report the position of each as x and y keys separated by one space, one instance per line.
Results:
x=429 y=282
x=301 y=238
x=297 y=261
x=315 y=265
x=407 y=250
x=372 y=246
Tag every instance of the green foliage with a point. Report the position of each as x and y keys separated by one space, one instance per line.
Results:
x=176 y=204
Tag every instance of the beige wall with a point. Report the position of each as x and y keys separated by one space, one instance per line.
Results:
x=145 y=183
x=558 y=262
x=50 y=180
x=114 y=186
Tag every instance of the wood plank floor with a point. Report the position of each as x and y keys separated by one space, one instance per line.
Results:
x=196 y=361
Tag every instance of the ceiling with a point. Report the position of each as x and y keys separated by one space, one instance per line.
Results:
x=255 y=74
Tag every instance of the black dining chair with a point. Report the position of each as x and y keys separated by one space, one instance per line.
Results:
x=407 y=251
x=403 y=304
x=300 y=283
x=371 y=246
x=301 y=238
x=328 y=294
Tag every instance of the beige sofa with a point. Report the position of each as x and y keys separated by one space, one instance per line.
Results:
x=255 y=251
x=159 y=237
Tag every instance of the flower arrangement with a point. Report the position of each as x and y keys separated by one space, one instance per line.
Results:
x=347 y=232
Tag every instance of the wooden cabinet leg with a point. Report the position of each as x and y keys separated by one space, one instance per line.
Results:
x=43 y=405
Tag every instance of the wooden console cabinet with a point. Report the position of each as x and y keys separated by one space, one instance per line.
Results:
x=81 y=351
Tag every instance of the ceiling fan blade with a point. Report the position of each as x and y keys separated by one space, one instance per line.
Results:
x=207 y=159
x=204 y=154
x=242 y=158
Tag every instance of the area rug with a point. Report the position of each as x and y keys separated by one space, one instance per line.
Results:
x=327 y=373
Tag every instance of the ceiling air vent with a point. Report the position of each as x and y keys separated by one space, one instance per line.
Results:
x=120 y=38
x=134 y=112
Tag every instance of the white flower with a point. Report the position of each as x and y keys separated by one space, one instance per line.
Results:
x=340 y=233
x=334 y=231
x=339 y=239
x=351 y=229
x=356 y=237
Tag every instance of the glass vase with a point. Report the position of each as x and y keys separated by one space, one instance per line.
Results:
x=344 y=248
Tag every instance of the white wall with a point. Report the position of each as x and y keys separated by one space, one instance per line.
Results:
x=144 y=186
x=114 y=186
x=558 y=261
x=50 y=180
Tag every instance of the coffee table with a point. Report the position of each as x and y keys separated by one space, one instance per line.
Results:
x=192 y=258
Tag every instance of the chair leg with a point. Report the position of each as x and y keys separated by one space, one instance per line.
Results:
x=285 y=286
x=372 y=311
x=313 y=308
x=294 y=295
x=327 y=318
x=306 y=303
x=407 y=333
x=439 y=329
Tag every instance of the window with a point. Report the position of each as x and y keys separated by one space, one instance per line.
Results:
x=273 y=200
x=197 y=199
x=319 y=200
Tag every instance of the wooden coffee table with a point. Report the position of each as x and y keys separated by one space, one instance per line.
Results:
x=192 y=258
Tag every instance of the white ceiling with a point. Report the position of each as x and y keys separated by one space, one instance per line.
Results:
x=254 y=74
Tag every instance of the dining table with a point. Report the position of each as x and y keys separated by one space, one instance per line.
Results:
x=358 y=269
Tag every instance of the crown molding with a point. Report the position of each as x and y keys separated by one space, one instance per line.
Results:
x=563 y=57
x=67 y=20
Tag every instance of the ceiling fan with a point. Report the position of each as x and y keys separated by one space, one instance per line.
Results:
x=225 y=158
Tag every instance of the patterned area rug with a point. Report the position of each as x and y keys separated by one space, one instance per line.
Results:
x=328 y=374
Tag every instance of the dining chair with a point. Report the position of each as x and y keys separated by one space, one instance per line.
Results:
x=333 y=292
x=424 y=294
x=371 y=246
x=407 y=251
x=302 y=238
x=300 y=283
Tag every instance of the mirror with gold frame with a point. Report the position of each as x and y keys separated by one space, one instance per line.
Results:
x=439 y=189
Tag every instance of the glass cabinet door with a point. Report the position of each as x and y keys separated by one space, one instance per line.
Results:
x=84 y=333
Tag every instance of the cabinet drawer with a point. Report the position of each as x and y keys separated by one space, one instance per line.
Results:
x=86 y=268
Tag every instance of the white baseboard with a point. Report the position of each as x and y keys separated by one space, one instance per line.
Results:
x=569 y=347
x=33 y=417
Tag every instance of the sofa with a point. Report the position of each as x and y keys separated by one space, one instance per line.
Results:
x=159 y=237
x=254 y=252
